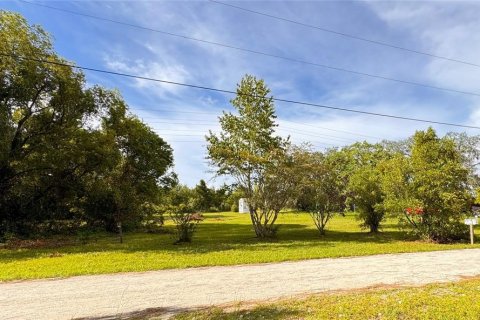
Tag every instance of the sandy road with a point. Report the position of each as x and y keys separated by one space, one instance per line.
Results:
x=115 y=296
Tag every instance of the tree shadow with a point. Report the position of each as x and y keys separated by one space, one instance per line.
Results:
x=262 y=312
x=139 y=314
x=215 y=236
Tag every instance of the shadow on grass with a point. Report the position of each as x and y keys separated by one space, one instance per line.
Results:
x=140 y=314
x=212 y=237
x=263 y=312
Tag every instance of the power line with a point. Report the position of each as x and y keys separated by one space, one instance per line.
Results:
x=313 y=134
x=203 y=135
x=335 y=130
x=294 y=122
x=283 y=128
x=343 y=34
x=280 y=127
x=184 y=123
x=308 y=104
x=271 y=55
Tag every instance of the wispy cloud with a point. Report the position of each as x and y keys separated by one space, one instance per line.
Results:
x=450 y=29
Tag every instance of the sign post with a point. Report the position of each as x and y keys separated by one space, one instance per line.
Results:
x=471 y=222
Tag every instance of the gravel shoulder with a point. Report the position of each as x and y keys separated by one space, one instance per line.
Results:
x=121 y=295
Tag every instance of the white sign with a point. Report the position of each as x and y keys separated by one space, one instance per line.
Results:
x=471 y=222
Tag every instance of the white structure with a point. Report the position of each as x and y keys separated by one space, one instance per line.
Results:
x=242 y=206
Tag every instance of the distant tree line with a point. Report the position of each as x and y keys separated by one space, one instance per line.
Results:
x=427 y=182
x=73 y=158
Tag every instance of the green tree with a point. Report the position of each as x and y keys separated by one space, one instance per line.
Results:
x=368 y=196
x=144 y=160
x=360 y=170
x=322 y=191
x=429 y=190
x=205 y=195
x=248 y=150
x=181 y=204
x=469 y=148
x=43 y=109
x=56 y=163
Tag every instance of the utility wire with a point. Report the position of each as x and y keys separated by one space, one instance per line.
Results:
x=293 y=122
x=281 y=127
x=271 y=55
x=343 y=34
x=308 y=104
x=203 y=135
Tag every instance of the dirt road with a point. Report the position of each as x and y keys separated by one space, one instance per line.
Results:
x=116 y=295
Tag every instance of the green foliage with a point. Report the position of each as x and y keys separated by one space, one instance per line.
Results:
x=248 y=150
x=322 y=191
x=365 y=185
x=234 y=207
x=363 y=178
x=429 y=190
x=181 y=203
x=57 y=166
x=205 y=195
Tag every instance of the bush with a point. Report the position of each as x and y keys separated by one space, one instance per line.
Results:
x=185 y=224
x=429 y=189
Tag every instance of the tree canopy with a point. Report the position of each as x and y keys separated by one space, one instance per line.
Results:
x=248 y=150
x=68 y=152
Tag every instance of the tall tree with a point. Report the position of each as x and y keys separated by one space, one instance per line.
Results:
x=42 y=108
x=54 y=156
x=144 y=161
x=248 y=150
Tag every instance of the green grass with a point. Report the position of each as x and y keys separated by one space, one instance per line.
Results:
x=439 y=301
x=222 y=239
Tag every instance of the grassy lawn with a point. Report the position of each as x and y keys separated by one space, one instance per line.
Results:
x=222 y=239
x=439 y=301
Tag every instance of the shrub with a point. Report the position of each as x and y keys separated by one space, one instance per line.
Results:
x=429 y=189
x=185 y=223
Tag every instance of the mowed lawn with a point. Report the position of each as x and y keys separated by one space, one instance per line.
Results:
x=221 y=239
x=439 y=301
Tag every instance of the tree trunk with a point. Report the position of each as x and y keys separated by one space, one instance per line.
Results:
x=253 y=217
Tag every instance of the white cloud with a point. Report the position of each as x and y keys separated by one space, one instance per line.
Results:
x=444 y=28
x=160 y=69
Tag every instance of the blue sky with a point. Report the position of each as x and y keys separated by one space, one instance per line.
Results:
x=182 y=116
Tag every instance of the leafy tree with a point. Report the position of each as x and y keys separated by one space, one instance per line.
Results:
x=365 y=185
x=56 y=163
x=248 y=150
x=364 y=190
x=181 y=205
x=469 y=148
x=144 y=160
x=429 y=190
x=43 y=109
x=322 y=191
x=205 y=195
